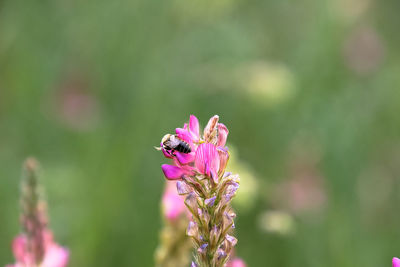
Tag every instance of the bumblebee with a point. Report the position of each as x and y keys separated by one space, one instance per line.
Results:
x=172 y=143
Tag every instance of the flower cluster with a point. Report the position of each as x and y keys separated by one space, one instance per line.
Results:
x=200 y=174
x=35 y=246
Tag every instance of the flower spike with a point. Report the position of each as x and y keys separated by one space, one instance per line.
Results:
x=209 y=190
x=35 y=246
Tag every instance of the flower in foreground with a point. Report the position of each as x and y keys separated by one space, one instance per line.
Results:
x=200 y=175
x=396 y=262
x=35 y=246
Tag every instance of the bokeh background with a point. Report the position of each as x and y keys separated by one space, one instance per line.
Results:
x=310 y=91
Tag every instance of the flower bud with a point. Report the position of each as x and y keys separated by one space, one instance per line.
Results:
x=221 y=256
x=223 y=159
x=227 y=221
x=231 y=239
x=214 y=235
x=182 y=188
x=203 y=248
x=210 y=132
x=222 y=134
x=192 y=229
x=191 y=202
x=231 y=190
x=210 y=201
x=204 y=216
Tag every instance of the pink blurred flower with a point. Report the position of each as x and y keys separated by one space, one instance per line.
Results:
x=364 y=50
x=54 y=254
x=172 y=203
x=76 y=106
x=396 y=262
x=305 y=190
x=236 y=262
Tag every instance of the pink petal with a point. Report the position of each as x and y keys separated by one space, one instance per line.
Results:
x=396 y=262
x=184 y=158
x=207 y=159
x=56 y=256
x=194 y=126
x=172 y=172
x=222 y=134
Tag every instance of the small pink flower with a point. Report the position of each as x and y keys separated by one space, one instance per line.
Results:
x=172 y=203
x=396 y=262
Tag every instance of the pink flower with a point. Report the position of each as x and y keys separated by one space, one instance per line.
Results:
x=173 y=204
x=236 y=262
x=54 y=256
x=396 y=262
x=199 y=164
x=208 y=155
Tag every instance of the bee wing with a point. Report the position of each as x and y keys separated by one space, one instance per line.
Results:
x=173 y=142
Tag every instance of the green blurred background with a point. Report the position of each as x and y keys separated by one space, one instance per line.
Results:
x=310 y=91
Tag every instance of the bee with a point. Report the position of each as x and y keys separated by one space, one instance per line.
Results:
x=172 y=143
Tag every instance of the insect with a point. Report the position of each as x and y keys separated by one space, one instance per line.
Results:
x=172 y=143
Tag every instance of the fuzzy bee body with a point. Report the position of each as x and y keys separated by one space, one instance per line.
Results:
x=172 y=143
